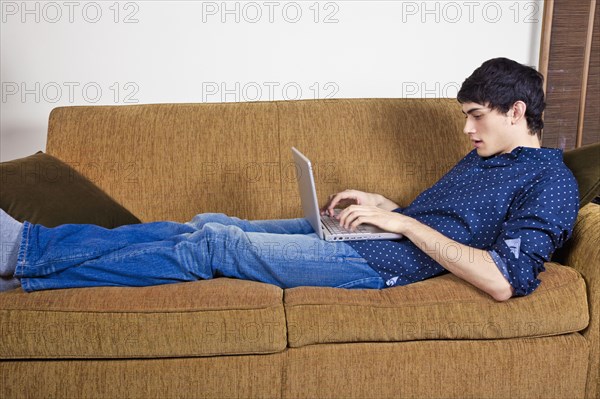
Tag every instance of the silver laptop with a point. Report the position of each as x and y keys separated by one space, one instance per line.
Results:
x=328 y=228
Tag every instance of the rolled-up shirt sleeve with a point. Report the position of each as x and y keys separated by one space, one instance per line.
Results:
x=539 y=222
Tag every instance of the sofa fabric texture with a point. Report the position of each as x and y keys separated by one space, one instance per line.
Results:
x=583 y=253
x=236 y=158
x=439 y=338
x=175 y=320
x=439 y=369
x=173 y=161
x=440 y=308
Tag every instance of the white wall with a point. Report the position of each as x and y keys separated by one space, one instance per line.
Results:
x=107 y=52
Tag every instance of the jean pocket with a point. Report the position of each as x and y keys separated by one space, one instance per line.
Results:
x=375 y=283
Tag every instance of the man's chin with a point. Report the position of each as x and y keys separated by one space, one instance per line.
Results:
x=483 y=153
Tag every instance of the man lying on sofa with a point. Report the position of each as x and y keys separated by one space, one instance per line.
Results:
x=504 y=209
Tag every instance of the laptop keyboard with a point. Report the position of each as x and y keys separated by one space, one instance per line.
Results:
x=334 y=226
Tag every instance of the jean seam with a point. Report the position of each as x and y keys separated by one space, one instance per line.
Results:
x=354 y=259
x=24 y=245
x=86 y=255
x=23 y=254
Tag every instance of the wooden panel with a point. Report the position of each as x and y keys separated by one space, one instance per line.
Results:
x=591 y=125
x=565 y=68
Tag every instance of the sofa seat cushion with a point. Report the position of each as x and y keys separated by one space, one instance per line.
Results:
x=203 y=318
x=443 y=307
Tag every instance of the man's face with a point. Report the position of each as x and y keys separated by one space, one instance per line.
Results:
x=489 y=131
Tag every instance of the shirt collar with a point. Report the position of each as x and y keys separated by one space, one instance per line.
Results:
x=522 y=155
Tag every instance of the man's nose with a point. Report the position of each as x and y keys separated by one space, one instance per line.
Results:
x=468 y=127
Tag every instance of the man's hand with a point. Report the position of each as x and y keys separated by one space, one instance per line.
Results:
x=355 y=197
x=355 y=215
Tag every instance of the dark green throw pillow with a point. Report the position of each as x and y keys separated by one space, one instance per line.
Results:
x=44 y=190
x=584 y=162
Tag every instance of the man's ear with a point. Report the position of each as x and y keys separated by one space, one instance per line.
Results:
x=518 y=112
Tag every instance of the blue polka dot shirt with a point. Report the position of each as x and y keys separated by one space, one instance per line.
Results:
x=518 y=206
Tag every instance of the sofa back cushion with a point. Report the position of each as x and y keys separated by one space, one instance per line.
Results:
x=171 y=161
x=394 y=147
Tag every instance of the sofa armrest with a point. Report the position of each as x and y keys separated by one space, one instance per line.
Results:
x=583 y=253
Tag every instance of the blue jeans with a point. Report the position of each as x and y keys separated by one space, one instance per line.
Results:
x=286 y=253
